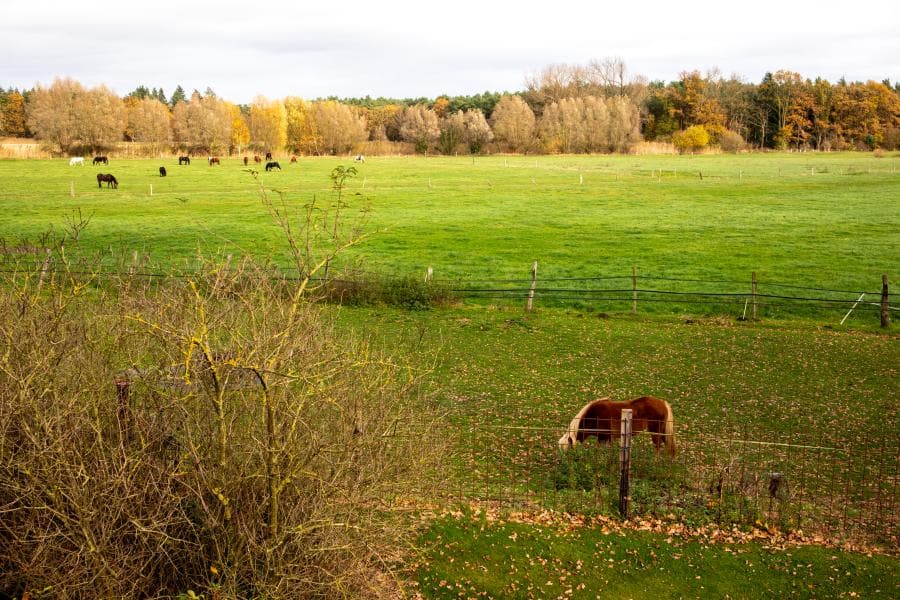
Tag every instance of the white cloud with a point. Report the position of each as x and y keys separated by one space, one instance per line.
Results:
x=407 y=48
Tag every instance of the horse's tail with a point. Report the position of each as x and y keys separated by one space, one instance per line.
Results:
x=670 y=430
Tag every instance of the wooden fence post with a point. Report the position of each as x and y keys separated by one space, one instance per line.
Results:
x=45 y=267
x=123 y=410
x=633 y=290
x=530 y=302
x=625 y=462
x=429 y=273
x=885 y=307
x=753 y=298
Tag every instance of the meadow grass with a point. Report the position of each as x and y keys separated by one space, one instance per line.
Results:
x=825 y=220
x=472 y=558
x=820 y=220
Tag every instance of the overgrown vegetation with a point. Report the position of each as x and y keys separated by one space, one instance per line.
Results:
x=214 y=434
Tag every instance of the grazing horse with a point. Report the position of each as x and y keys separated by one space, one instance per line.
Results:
x=360 y=158
x=246 y=160
x=109 y=179
x=184 y=160
x=272 y=165
x=100 y=159
x=602 y=418
x=213 y=160
x=257 y=159
x=293 y=159
x=268 y=156
x=162 y=171
x=76 y=160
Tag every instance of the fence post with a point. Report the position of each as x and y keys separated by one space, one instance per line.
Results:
x=123 y=411
x=530 y=302
x=753 y=298
x=625 y=462
x=45 y=267
x=429 y=273
x=633 y=290
x=885 y=308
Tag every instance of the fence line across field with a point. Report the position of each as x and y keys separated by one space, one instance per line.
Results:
x=840 y=492
x=534 y=289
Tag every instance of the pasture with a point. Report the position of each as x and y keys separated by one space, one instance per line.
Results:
x=817 y=220
x=506 y=383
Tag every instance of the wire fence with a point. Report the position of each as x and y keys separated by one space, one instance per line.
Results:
x=839 y=492
x=747 y=299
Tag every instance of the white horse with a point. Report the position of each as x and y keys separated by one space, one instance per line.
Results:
x=360 y=158
x=76 y=160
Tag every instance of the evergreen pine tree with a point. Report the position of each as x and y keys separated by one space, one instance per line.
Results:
x=177 y=96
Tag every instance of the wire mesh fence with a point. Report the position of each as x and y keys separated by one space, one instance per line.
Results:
x=839 y=492
x=715 y=295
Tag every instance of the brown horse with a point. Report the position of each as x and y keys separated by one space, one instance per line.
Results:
x=602 y=418
x=109 y=179
x=213 y=160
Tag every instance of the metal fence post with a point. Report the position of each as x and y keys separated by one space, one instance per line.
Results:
x=625 y=462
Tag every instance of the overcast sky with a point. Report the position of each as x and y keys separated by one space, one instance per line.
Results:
x=403 y=48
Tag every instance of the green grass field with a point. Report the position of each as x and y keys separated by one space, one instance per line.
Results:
x=472 y=558
x=816 y=220
x=826 y=220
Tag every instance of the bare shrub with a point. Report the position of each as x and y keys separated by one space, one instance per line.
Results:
x=213 y=433
x=731 y=141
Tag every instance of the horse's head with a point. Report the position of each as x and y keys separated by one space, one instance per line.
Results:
x=567 y=440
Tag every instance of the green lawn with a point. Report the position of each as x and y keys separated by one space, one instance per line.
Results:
x=826 y=220
x=818 y=405
x=471 y=558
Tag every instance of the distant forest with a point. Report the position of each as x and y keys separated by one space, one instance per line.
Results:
x=595 y=107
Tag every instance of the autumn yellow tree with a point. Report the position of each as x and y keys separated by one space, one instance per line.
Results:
x=301 y=133
x=240 y=132
x=68 y=116
x=420 y=127
x=478 y=132
x=52 y=114
x=338 y=127
x=268 y=124
x=12 y=117
x=203 y=124
x=149 y=121
x=513 y=123
x=692 y=139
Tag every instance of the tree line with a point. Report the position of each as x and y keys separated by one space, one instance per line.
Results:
x=596 y=107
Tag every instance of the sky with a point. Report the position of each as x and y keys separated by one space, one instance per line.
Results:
x=402 y=48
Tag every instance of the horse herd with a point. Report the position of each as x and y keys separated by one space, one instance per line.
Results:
x=110 y=180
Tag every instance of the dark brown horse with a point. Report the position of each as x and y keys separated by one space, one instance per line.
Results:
x=293 y=159
x=268 y=156
x=245 y=161
x=109 y=179
x=184 y=160
x=257 y=159
x=213 y=160
x=602 y=419
x=100 y=159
